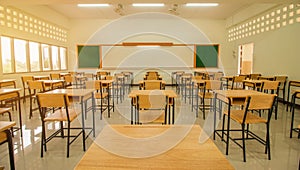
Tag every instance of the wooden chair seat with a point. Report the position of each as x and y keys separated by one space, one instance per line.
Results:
x=207 y=95
x=101 y=96
x=238 y=115
x=61 y=115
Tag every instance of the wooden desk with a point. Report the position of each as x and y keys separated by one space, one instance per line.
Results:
x=6 y=136
x=128 y=142
x=292 y=83
x=169 y=93
x=53 y=83
x=231 y=97
x=13 y=94
x=8 y=83
x=80 y=96
x=41 y=78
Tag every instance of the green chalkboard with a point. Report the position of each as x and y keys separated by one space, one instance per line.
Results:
x=207 y=55
x=88 y=56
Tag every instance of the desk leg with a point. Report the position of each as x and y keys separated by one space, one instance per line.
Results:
x=173 y=111
x=83 y=127
x=228 y=126
x=293 y=114
x=131 y=111
x=93 y=111
x=10 y=149
x=20 y=115
x=288 y=96
x=215 y=113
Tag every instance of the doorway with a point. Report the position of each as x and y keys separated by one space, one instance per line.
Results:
x=245 y=63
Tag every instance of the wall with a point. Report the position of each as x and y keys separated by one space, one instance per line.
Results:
x=41 y=13
x=152 y=27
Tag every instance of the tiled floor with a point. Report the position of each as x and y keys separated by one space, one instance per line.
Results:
x=285 y=151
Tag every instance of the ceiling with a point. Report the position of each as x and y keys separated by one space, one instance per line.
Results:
x=119 y=8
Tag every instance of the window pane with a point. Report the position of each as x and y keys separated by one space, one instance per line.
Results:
x=20 y=55
x=63 y=58
x=45 y=57
x=34 y=56
x=6 y=55
x=55 y=61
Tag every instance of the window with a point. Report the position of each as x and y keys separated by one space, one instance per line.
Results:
x=6 y=55
x=34 y=54
x=63 y=58
x=20 y=55
x=45 y=57
x=55 y=60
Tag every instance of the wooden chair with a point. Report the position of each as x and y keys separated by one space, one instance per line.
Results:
x=25 y=86
x=246 y=116
x=206 y=92
x=102 y=93
x=282 y=85
x=151 y=108
x=272 y=87
x=63 y=113
x=70 y=82
x=34 y=87
x=152 y=85
x=237 y=82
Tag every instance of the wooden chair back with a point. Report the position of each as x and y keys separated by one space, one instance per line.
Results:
x=271 y=86
x=152 y=85
x=155 y=101
x=55 y=76
x=37 y=86
x=46 y=100
x=213 y=85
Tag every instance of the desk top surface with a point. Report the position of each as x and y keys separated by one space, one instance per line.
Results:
x=73 y=92
x=7 y=80
x=153 y=147
x=12 y=90
x=169 y=93
x=238 y=93
x=6 y=125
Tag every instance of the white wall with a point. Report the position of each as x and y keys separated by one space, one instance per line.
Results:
x=150 y=28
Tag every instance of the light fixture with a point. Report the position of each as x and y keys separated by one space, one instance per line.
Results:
x=148 y=4
x=119 y=9
x=92 y=5
x=201 y=4
x=152 y=44
x=174 y=9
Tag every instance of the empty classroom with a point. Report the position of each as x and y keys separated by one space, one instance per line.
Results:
x=139 y=84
